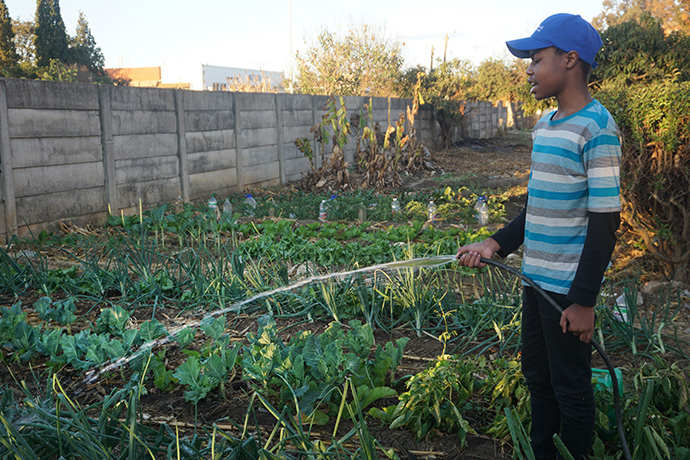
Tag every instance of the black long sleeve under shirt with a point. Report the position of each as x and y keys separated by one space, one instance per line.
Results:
x=596 y=253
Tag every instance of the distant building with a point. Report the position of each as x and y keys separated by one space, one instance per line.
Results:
x=149 y=77
x=200 y=77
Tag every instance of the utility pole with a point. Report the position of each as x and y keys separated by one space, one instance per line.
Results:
x=292 y=75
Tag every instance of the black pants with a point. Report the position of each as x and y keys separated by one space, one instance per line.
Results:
x=557 y=368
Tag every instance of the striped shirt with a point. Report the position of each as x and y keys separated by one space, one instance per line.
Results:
x=575 y=170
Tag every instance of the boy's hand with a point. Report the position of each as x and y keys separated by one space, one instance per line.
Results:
x=471 y=254
x=579 y=320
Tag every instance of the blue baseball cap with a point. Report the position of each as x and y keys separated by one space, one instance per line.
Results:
x=567 y=32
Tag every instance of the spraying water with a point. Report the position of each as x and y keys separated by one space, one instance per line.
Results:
x=421 y=262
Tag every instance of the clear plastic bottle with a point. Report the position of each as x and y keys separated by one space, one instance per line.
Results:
x=395 y=207
x=227 y=207
x=483 y=214
x=432 y=211
x=213 y=207
x=179 y=204
x=332 y=207
x=362 y=213
x=323 y=210
x=249 y=205
x=478 y=205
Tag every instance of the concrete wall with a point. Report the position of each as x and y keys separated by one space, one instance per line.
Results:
x=72 y=151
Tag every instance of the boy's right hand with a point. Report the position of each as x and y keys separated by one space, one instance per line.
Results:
x=470 y=255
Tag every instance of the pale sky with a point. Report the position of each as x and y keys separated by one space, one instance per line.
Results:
x=255 y=34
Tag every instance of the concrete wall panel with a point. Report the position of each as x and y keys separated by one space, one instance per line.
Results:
x=129 y=122
x=209 y=120
x=146 y=169
x=55 y=151
x=297 y=102
x=144 y=145
x=291 y=133
x=205 y=184
x=290 y=151
x=31 y=123
x=60 y=205
x=210 y=161
x=145 y=99
x=32 y=94
x=259 y=155
x=296 y=166
x=258 y=119
x=209 y=141
x=297 y=118
x=262 y=175
x=207 y=100
x=152 y=193
x=51 y=179
x=250 y=102
x=258 y=137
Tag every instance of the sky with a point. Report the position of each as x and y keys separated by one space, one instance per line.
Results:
x=264 y=34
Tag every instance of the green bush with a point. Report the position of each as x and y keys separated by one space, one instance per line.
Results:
x=655 y=169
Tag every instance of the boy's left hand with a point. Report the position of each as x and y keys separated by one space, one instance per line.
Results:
x=579 y=320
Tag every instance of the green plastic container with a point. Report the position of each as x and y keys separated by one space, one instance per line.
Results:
x=602 y=378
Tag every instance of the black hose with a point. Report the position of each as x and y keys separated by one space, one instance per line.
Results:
x=599 y=348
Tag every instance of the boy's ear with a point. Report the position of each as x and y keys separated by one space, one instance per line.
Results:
x=571 y=59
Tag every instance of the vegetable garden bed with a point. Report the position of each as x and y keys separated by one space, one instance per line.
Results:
x=137 y=340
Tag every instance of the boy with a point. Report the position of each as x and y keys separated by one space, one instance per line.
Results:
x=568 y=230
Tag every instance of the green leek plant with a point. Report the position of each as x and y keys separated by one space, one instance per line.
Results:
x=418 y=294
x=522 y=448
x=14 y=278
x=492 y=320
x=649 y=333
x=54 y=425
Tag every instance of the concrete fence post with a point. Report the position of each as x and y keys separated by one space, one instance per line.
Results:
x=182 y=145
x=236 y=108
x=107 y=146
x=6 y=167
x=280 y=136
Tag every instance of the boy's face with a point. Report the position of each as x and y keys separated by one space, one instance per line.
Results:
x=547 y=73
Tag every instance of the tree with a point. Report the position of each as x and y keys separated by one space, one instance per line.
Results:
x=497 y=80
x=84 y=50
x=673 y=14
x=644 y=80
x=640 y=51
x=654 y=119
x=445 y=88
x=8 y=51
x=24 y=41
x=51 y=39
x=364 y=62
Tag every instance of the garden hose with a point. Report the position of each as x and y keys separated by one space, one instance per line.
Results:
x=599 y=348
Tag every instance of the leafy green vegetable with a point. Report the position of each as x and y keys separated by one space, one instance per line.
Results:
x=112 y=320
x=85 y=350
x=61 y=311
x=151 y=330
x=310 y=366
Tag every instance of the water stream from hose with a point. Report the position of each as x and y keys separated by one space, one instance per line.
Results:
x=421 y=262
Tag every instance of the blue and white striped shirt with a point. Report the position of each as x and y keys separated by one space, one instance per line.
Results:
x=575 y=170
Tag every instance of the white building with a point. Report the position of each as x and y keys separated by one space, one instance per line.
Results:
x=216 y=78
x=200 y=77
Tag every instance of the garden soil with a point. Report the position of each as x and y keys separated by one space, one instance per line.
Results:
x=500 y=163
x=496 y=163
